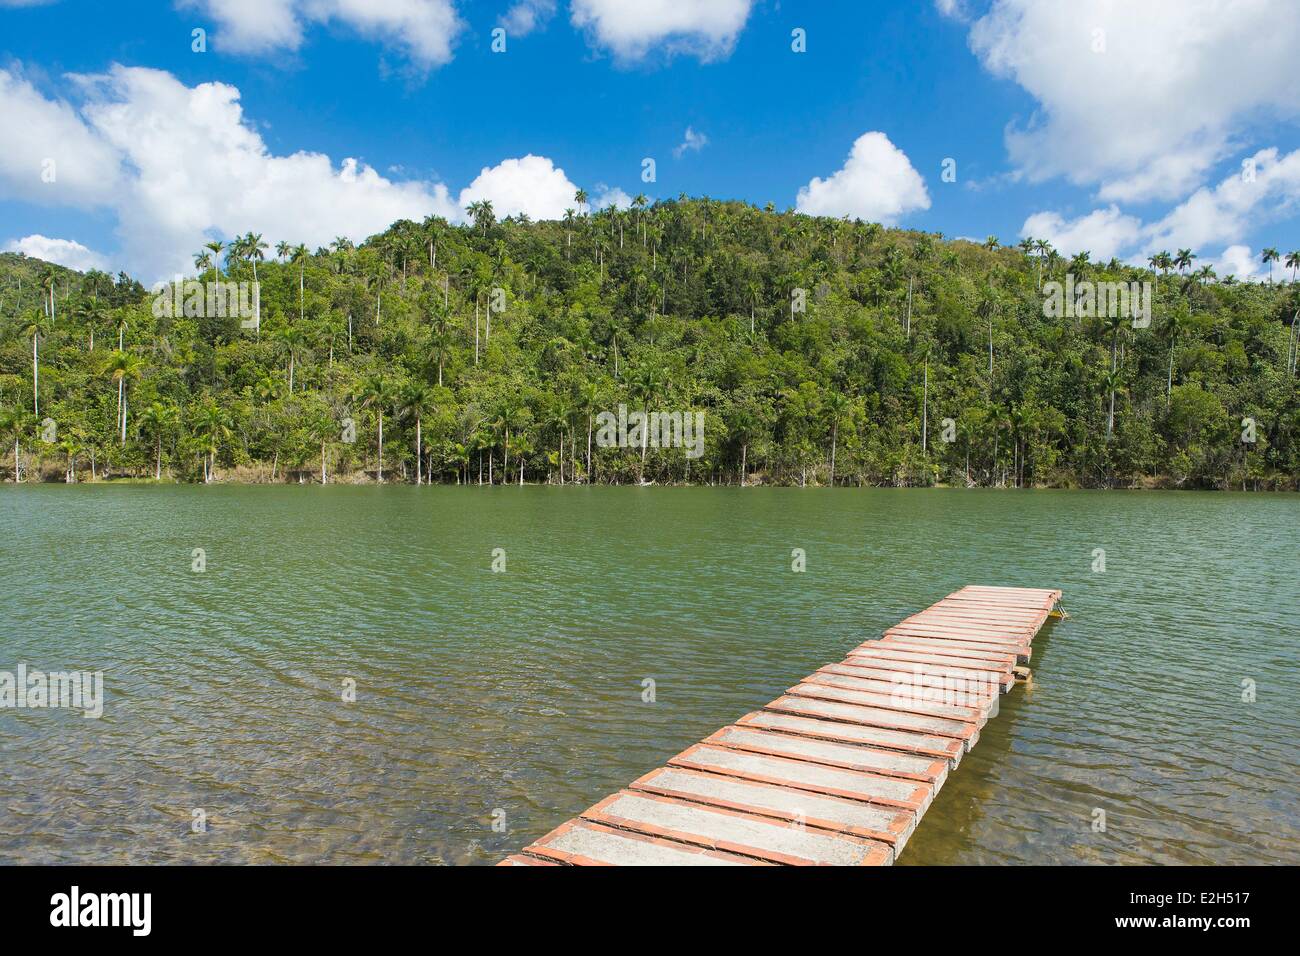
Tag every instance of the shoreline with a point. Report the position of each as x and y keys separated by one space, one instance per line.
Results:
x=357 y=479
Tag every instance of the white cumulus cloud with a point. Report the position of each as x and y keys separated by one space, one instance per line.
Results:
x=531 y=184
x=1238 y=204
x=49 y=156
x=526 y=16
x=607 y=196
x=64 y=252
x=706 y=29
x=877 y=183
x=1238 y=261
x=422 y=30
x=1102 y=232
x=953 y=9
x=1218 y=217
x=179 y=165
x=1140 y=99
x=691 y=141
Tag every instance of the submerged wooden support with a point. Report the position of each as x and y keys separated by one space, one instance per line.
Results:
x=839 y=769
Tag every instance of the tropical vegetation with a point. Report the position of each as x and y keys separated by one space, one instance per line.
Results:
x=822 y=351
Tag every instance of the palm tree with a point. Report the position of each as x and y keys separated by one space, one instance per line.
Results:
x=1115 y=325
x=255 y=249
x=212 y=427
x=377 y=393
x=644 y=386
x=123 y=368
x=482 y=214
x=49 y=279
x=1270 y=256
x=417 y=400
x=1183 y=260
x=33 y=328
x=987 y=309
x=440 y=341
x=1161 y=261
x=299 y=255
x=837 y=403
x=90 y=314
x=1173 y=325
x=1043 y=248
x=509 y=415
x=991 y=243
x=282 y=249
x=157 y=420
x=1293 y=263
x=1112 y=381
x=214 y=247
x=71 y=445
x=293 y=338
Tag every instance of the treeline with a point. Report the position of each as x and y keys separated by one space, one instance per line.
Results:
x=820 y=350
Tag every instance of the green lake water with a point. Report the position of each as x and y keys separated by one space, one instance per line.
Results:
x=518 y=696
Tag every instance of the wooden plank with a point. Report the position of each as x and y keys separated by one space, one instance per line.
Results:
x=520 y=859
x=969 y=675
x=960 y=730
x=979 y=612
x=992 y=635
x=904 y=695
x=584 y=843
x=958 y=648
x=732 y=831
x=849 y=756
x=874 y=822
x=912 y=795
x=1008 y=589
x=903 y=680
x=1003 y=600
x=1012 y=644
x=971 y=624
x=894 y=653
x=904 y=741
x=907 y=700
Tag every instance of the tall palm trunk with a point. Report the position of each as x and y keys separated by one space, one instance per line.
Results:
x=835 y=437
x=35 y=374
x=381 y=447
x=418 y=446
x=1169 y=383
x=925 y=410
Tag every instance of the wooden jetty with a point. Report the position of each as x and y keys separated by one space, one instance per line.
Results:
x=839 y=769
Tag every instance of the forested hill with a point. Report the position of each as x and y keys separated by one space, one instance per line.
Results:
x=914 y=360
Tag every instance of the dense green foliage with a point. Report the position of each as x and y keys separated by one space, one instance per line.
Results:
x=683 y=304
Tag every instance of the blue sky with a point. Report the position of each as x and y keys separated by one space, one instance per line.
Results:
x=1117 y=130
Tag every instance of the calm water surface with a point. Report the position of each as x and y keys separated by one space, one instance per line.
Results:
x=522 y=691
